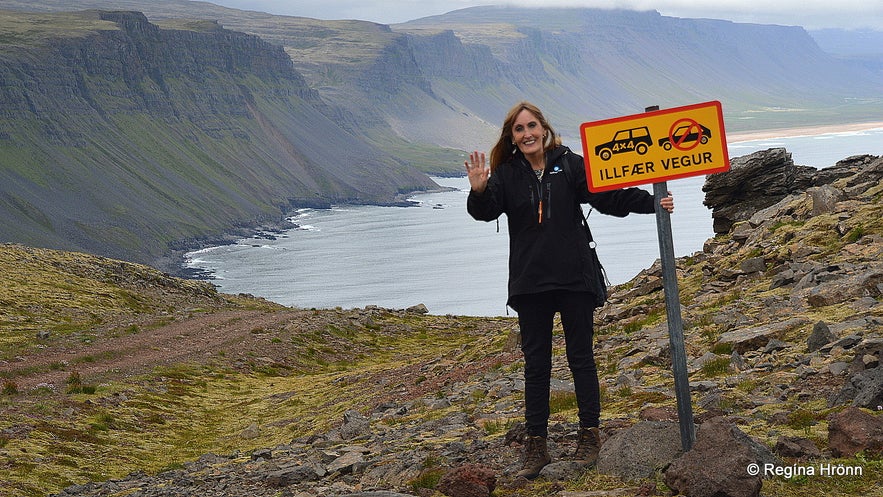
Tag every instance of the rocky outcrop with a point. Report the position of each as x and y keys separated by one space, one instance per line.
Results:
x=753 y=183
x=756 y=183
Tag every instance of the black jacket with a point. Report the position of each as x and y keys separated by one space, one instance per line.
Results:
x=548 y=249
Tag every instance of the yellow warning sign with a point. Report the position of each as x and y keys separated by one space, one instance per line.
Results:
x=655 y=146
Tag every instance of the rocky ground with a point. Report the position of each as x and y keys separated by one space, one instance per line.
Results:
x=782 y=319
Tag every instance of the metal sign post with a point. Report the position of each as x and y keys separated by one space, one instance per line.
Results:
x=675 y=324
x=673 y=315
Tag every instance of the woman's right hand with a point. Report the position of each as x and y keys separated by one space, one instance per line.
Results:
x=477 y=171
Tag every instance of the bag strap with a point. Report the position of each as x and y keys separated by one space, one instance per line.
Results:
x=592 y=243
x=585 y=222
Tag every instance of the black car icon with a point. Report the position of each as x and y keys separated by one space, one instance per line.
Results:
x=687 y=133
x=627 y=140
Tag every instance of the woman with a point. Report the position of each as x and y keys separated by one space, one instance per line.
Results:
x=539 y=184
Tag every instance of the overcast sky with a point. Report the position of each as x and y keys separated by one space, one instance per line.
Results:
x=811 y=14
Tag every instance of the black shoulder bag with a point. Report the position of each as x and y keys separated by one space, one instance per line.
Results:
x=599 y=279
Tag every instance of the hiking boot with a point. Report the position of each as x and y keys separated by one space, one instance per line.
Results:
x=536 y=456
x=588 y=444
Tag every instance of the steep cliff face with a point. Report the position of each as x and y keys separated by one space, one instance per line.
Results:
x=124 y=138
x=585 y=64
x=119 y=136
x=459 y=72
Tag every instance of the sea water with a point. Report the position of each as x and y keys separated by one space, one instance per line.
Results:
x=435 y=254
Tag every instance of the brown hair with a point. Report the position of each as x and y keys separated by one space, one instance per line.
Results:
x=504 y=149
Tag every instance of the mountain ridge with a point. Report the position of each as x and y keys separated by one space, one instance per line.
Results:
x=149 y=137
x=359 y=114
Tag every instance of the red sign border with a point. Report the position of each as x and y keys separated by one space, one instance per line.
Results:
x=633 y=117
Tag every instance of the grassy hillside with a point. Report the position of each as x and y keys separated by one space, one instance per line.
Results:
x=78 y=405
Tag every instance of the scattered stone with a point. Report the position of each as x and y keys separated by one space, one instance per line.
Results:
x=418 y=309
x=821 y=335
x=346 y=462
x=562 y=470
x=797 y=447
x=852 y=431
x=871 y=345
x=774 y=345
x=697 y=364
x=850 y=287
x=846 y=342
x=251 y=432
x=824 y=199
x=262 y=454
x=292 y=476
x=469 y=480
x=838 y=368
x=354 y=425
x=737 y=362
x=863 y=389
x=753 y=265
x=745 y=340
x=715 y=466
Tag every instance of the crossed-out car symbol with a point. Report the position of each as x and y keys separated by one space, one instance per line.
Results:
x=687 y=133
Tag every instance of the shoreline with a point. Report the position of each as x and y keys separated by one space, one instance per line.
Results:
x=745 y=136
x=174 y=262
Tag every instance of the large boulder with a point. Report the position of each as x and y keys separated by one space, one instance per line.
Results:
x=638 y=452
x=716 y=466
x=852 y=430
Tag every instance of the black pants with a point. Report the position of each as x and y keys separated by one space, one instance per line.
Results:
x=535 y=316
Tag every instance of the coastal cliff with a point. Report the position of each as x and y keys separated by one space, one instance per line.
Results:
x=125 y=139
x=139 y=136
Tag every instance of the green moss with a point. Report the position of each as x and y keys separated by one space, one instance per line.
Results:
x=716 y=367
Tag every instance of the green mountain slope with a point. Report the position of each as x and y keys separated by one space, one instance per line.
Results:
x=446 y=80
x=123 y=139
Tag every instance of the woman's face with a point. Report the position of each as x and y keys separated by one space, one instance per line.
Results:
x=528 y=133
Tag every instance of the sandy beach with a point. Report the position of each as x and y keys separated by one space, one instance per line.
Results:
x=803 y=131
